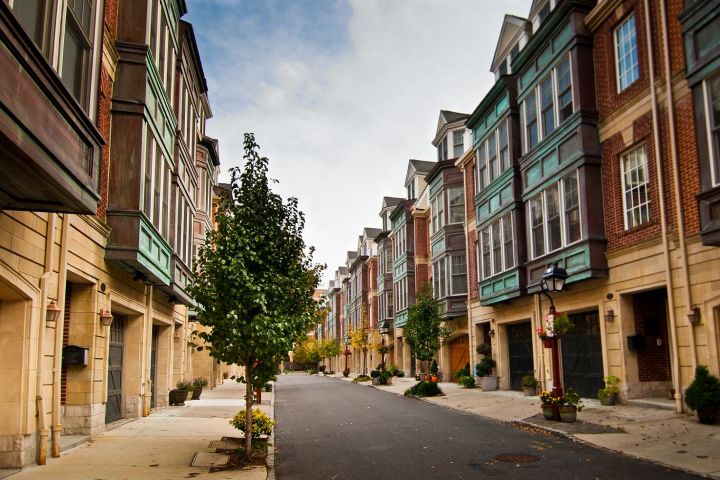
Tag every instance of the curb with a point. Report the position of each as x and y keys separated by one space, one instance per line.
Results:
x=270 y=460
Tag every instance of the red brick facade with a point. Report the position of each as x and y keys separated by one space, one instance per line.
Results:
x=422 y=250
x=472 y=260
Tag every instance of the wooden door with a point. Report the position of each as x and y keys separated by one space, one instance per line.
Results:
x=113 y=408
x=459 y=354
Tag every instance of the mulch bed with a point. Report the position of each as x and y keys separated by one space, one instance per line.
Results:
x=237 y=459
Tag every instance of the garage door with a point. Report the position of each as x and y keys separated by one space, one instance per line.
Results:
x=113 y=410
x=582 y=355
x=520 y=353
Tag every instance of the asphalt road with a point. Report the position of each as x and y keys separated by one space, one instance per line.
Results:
x=330 y=429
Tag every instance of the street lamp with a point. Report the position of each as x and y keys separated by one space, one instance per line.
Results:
x=346 y=352
x=553 y=280
x=384 y=330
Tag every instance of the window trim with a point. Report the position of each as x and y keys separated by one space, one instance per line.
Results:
x=502 y=241
x=648 y=203
x=713 y=150
x=620 y=25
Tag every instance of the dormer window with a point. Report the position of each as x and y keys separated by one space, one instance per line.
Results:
x=411 y=189
x=442 y=150
x=458 y=146
x=544 y=12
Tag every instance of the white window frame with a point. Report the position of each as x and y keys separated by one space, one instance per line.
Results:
x=713 y=149
x=643 y=205
x=504 y=267
x=451 y=274
x=634 y=67
x=449 y=206
x=564 y=243
x=460 y=133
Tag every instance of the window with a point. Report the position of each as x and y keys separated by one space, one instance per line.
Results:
x=388 y=260
x=504 y=150
x=442 y=149
x=77 y=46
x=497 y=246
x=457 y=204
x=555 y=104
x=437 y=213
x=564 y=89
x=635 y=183
x=626 y=54
x=481 y=167
x=547 y=112
x=458 y=272
x=411 y=189
x=458 y=146
x=531 y=128
x=33 y=15
x=440 y=278
x=554 y=220
x=711 y=89
x=492 y=157
x=544 y=12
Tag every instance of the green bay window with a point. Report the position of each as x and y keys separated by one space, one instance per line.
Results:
x=554 y=220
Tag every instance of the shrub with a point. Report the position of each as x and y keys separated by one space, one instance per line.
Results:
x=485 y=367
x=400 y=374
x=185 y=385
x=424 y=389
x=375 y=373
x=261 y=423
x=225 y=375
x=384 y=377
x=704 y=391
x=361 y=378
x=467 y=381
x=483 y=349
x=267 y=387
x=463 y=372
x=611 y=385
x=200 y=382
x=433 y=368
x=529 y=381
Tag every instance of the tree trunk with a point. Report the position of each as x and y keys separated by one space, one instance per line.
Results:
x=248 y=412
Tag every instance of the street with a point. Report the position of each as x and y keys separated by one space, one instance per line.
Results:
x=329 y=429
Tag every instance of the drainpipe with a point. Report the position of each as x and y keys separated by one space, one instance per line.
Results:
x=59 y=327
x=663 y=220
x=49 y=257
x=471 y=326
x=676 y=183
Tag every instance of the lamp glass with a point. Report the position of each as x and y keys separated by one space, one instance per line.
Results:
x=554 y=278
x=385 y=327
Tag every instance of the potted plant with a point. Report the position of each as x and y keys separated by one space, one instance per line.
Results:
x=385 y=378
x=703 y=395
x=262 y=424
x=179 y=394
x=544 y=337
x=570 y=405
x=198 y=384
x=375 y=375
x=549 y=404
x=529 y=385
x=346 y=372
x=466 y=381
x=484 y=369
x=434 y=371
x=608 y=395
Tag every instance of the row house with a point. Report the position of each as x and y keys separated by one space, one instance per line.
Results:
x=537 y=195
x=443 y=240
x=402 y=237
x=96 y=229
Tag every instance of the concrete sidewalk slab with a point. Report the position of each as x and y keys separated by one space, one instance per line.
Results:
x=161 y=446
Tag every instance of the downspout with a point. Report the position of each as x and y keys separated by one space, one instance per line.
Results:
x=663 y=220
x=676 y=184
x=41 y=427
x=59 y=327
x=471 y=327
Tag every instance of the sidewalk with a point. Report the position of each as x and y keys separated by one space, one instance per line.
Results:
x=157 y=447
x=661 y=436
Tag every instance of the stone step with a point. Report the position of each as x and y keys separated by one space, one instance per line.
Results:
x=71 y=441
x=660 y=403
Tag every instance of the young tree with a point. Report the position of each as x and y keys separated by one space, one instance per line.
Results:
x=254 y=277
x=360 y=337
x=423 y=331
x=329 y=348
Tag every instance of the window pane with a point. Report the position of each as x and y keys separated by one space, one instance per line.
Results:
x=31 y=15
x=531 y=131
x=459 y=274
x=635 y=188
x=481 y=167
x=572 y=208
x=72 y=63
x=496 y=248
x=147 y=195
x=504 y=150
x=537 y=227
x=626 y=53
x=492 y=157
x=714 y=119
x=457 y=204
x=508 y=241
x=553 y=218
x=457 y=143
x=486 y=253
x=564 y=88
x=546 y=105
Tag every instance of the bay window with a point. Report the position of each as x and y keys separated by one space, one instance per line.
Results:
x=492 y=157
x=497 y=247
x=456 y=200
x=449 y=276
x=554 y=217
x=711 y=93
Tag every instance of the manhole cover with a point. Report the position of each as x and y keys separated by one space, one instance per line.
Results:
x=516 y=458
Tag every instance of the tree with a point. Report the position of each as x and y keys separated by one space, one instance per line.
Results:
x=423 y=331
x=307 y=352
x=329 y=348
x=360 y=337
x=254 y=278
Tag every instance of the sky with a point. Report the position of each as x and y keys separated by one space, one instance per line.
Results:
x=340 y=94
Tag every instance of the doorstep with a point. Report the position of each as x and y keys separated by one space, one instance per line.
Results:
x=656 y=402
x=71 y=441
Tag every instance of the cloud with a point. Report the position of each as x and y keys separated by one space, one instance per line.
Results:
x=341 y=94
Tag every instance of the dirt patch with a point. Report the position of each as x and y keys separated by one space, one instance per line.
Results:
x=236 y=456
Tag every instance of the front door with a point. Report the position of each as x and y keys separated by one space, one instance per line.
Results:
x=520 y=353
x=582 y=355
x=459 y=353
x=113 y=409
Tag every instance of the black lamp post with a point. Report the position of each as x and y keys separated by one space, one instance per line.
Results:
x=384 y=330
x=346 y=338
x=553 y=280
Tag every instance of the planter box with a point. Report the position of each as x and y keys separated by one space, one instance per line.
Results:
x=489 y=383
x=568 y=414
x=376 y=381
x=530 y=391
x=178 y=397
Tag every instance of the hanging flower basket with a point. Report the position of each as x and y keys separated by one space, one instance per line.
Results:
x=547 y=342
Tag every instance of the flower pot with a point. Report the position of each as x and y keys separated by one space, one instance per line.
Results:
x=178 y=397
x=196 y=393
x=568 y=413
x=489 y=383
x=548 y=411
x=433 y=378
x=547 y=343
x=530 y=391
x=608 y=400
x=346 y=373
x=388 y=381
x=708 y=415
x=426 y=377
x=376 y=381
